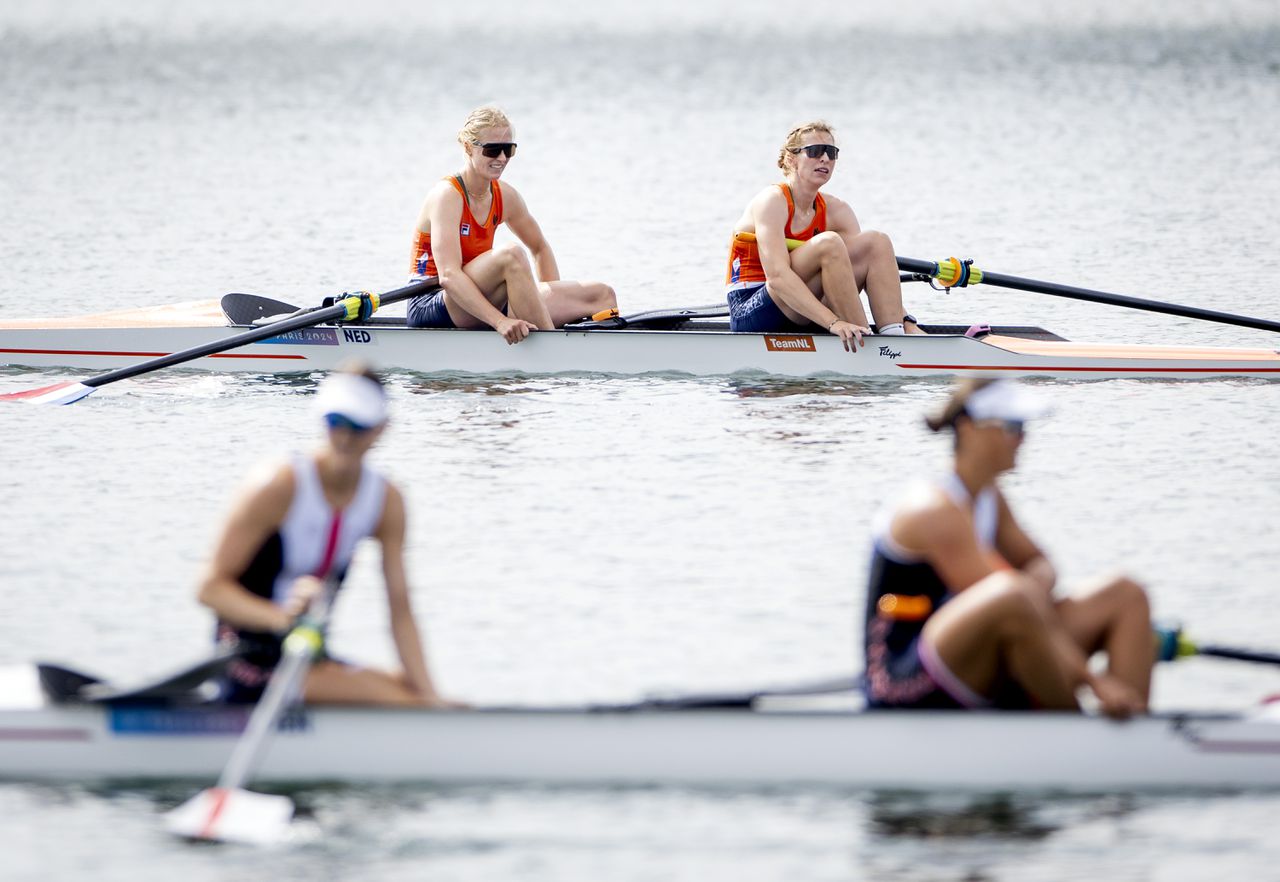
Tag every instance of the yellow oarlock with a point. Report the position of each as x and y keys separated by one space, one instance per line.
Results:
x=304 y=638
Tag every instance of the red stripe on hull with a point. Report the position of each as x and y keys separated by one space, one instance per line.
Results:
x=1098 y=369
x=141 y=354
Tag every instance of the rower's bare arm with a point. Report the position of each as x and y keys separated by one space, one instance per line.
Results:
x=942 y=534
x=446 y=215
x=404 y=628
x=770 y=211
x=842 y=220
x=255 y=515
x=1021 y=551
x=521 y=222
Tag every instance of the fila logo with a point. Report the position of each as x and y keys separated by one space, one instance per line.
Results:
x=464 y=230
x=776 y=343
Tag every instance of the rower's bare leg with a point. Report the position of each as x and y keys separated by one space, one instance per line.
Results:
x=330 y=682
x=505 y=277
x=823 y=264
x=875 y=266
x=996 y=626
x=1114 y=616
x=572 y=301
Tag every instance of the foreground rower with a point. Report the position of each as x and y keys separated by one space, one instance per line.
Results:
x=960 y=610
x=298 y=528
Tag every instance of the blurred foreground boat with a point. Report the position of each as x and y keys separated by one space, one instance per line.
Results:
x=53 y=728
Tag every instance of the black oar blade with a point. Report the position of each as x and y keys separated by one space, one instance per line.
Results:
x=245 y=309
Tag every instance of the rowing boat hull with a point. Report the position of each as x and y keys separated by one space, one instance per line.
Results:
x=628 y=352
x=793 y=742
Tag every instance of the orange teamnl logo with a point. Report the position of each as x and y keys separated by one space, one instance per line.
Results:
x=788 y=343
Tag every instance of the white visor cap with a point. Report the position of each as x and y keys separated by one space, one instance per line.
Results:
x=357 y=398
x=1005 y=400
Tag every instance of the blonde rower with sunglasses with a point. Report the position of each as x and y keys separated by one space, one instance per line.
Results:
x=961 y=611
x=799 y=259
x=482 y=285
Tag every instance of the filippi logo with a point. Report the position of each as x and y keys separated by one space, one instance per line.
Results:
x=778 y=343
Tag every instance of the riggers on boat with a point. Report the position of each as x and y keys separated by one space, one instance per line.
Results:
x=57 y=724
x=695 y=341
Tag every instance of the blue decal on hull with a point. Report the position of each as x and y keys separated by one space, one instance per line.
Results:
x=307 y=337
x=193 y=721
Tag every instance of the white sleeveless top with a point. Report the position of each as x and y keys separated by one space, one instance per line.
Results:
x=307 y=531
x=986 y=519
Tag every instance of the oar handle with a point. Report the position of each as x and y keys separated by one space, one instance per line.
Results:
x=347 y=309
x=942 y=270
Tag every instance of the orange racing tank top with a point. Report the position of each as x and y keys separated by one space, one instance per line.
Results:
x=475 y=238
x=744 y=255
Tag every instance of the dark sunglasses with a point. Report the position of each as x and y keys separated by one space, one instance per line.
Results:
x=493 y=148
x=338 y=421
x=813 y=151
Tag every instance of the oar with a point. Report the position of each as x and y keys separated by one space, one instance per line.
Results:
x=1172 y=644
x=953 y=273
x=227 y=812
x=351 y=308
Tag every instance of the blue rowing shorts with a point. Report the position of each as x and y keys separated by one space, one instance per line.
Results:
x=752 y=309
x=428 y=311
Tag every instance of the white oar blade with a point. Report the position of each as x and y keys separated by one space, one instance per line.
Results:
x=224 y=814
x=59 y=393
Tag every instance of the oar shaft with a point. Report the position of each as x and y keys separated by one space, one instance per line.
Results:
x=301 y=646
x=274 y=329
x=1018 y=283
x=1266 y=658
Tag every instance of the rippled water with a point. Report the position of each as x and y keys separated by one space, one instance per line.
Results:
x=579 y=539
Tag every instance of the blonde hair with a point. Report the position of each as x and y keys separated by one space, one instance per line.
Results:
x=786 y=159
x=945 y=417
x=482 y=118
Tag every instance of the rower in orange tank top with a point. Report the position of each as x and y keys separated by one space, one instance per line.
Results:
x=474 y=237
x=482 y=284
x=779 y=279
x=744 y=253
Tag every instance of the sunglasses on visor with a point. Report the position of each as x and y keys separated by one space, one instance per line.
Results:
x=338 y=421
x=493 y=148
x=813 y=151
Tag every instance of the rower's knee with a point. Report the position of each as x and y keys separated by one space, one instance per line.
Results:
x=601 y=296
x=829 y=246
x=876 y=243
x=513 y=259
x=1018 y=603
x=1129 y=594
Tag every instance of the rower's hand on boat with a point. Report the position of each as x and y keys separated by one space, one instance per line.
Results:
x=849 y=333
x=514 y=330
x=1116 y=699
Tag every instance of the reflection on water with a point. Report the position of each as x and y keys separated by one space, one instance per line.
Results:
x=927 y=817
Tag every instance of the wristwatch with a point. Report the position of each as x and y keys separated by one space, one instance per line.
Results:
x=908 y=317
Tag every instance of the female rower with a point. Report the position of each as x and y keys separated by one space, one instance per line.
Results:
x=831 y=261
x=297 y=529
x=483 y=285
x=960 y=611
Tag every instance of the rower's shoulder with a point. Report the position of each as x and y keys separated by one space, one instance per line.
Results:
x=272 y=479
x=928 y=505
